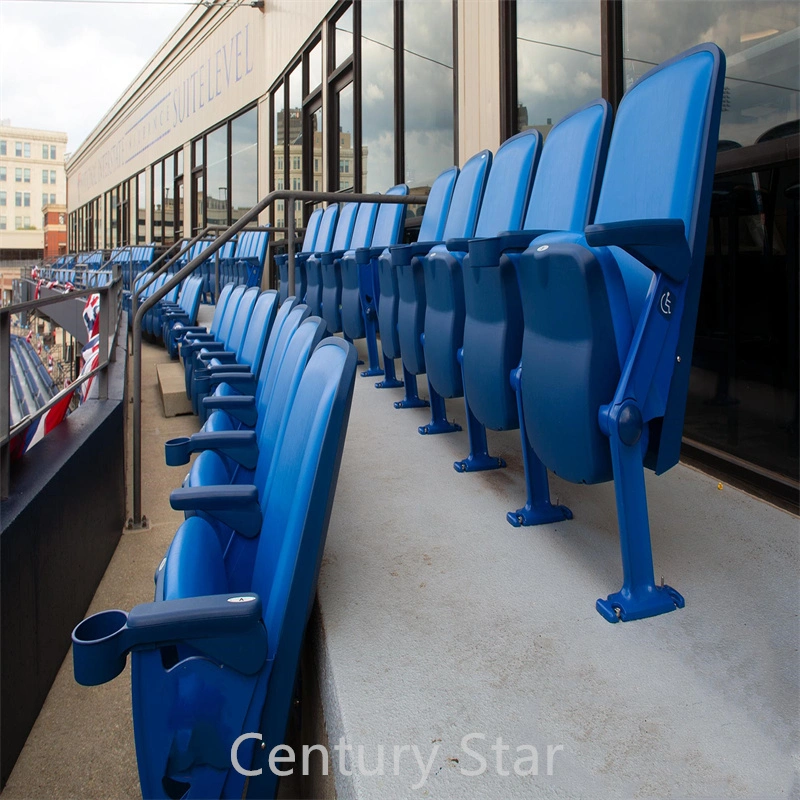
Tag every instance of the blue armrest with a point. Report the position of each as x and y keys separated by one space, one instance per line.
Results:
x=660 y=244
x=244 y=381
x=241 y=446
x=457 y=245
x=241 y=407
x=192 y=329
x=235 y=505
x=403 y=253
x=329 y=257
x=223 y=355
x=194 y=346
x=365 y=254
x=486 y=252
x=226 y=627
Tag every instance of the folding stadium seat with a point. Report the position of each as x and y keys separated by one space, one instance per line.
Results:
x=179 y=330
x=185 y=311
x=331 y=270
x=233 y=341
x=609 y=317
x=341 y=241
x=282 y=260
x=248 y=356
x=408 y=260
x=193 y=343
x=563 y=198
x=359 y=276
x=234 y=457
x=212 y=659
x=247 y=262
x=430 y=232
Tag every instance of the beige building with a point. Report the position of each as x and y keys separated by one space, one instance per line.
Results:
x=32 y=176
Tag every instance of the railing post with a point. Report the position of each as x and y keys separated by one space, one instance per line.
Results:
x=290 y=237
x=216 y=276
x=5 y=402
x=105 y=322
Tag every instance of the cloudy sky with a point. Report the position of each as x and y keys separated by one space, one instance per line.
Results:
x=63 y=64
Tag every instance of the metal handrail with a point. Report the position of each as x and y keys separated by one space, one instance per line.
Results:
x=149 y=302
x=106 y=355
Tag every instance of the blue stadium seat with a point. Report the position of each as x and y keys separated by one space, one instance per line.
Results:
x=193 y=343
x=331 y=270
x=185 y=311
x=211 y=659
x=408 y=260
x=502 y=208
x=232 y=343
x=563 y=198
x=247 y=358
x=180 y=329
x=359 y=272
x=610 y=316
x=308 y=246
x=430 y=231
x=341 y=242
x=232 y=457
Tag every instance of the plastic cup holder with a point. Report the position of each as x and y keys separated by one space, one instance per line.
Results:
x=98 y=647
x=176 y=451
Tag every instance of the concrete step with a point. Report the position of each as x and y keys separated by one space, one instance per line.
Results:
x=172 y=387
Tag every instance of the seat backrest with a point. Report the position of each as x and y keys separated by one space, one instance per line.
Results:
x=570 y=169
x=277 y=340
x=433 y=220
x=389 y=221
x=467 y=196
x=258 y=329
x=190 y=295
x=365 y=224
x=252 y=245
x=344 y=228
x=509 y=184
x=299 y=492
x=229 y=315
x=311 y=230
x=661 y=165
x=219 y=311
x=301 y=335
x=326 y=229
x=236 y=338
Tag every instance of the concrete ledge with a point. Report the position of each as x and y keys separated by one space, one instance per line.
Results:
x=438 y=620
x=172 y=386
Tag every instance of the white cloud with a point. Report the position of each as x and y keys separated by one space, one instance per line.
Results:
x=63 y=65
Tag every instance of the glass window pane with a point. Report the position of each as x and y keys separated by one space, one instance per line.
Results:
x=169 y=200
x=558 y=60
x=296 y=137
x=278 y=142
x=377 y=95
x=217 y=173
x=157 y=201
x=345 y=141
x=198 y=153
x=343 y=40
x=244 y=163
x=759 y=37
x=428 y=77
x=744 y=380
x=179 y=162
x=141 y=206
x=316 y=167
x=45 y=151
x=52 y=152
x=315 y=67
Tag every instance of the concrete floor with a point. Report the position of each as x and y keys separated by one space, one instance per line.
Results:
x=438 y=620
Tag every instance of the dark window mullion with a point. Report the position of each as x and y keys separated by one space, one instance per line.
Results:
x=357 y=167
x=399 y=95
x=508 y=69
x=612 y=78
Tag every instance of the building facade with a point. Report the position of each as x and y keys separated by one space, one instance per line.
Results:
x=32 y=176
x=318 y=94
